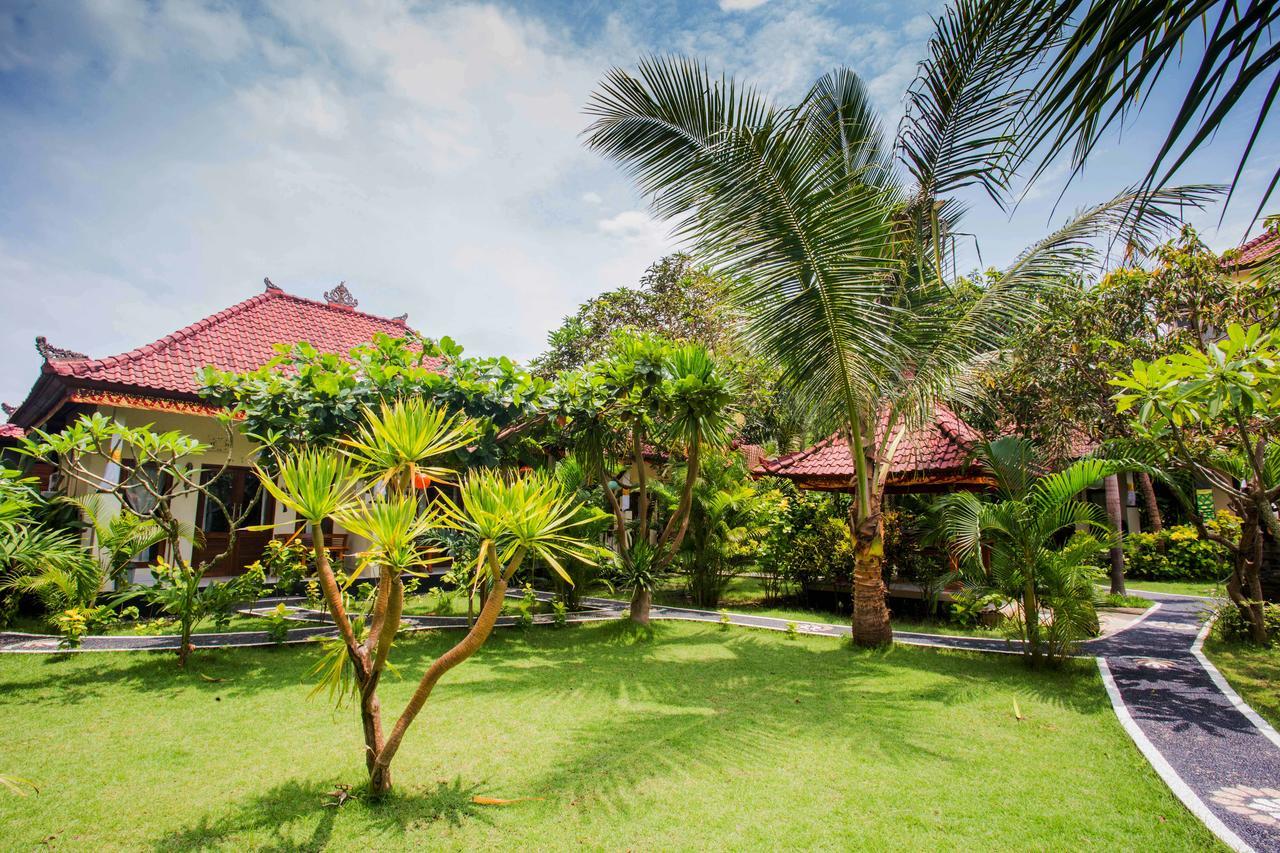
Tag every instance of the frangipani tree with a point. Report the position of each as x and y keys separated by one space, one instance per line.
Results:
x=841 y=241
x=153 y=470
x=368 y=488
x=1216 y=410
x=647 y=395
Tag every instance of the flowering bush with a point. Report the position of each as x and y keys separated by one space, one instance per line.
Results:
x=1178 y=553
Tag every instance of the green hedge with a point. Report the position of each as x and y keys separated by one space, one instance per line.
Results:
x=1178 y=553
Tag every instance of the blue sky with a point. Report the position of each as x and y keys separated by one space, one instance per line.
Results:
x=158 y=158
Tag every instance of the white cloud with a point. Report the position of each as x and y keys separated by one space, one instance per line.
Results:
x=740 y=5
x=431 y=156
x=634 y=225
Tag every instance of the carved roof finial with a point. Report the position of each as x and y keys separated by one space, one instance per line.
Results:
x=51 y=353
x=340 y=296
x=402 y=319
x=8 y=410
x=271 y=285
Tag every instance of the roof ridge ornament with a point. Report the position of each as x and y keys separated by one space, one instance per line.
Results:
x=51 y=353
x=271 y=285
x=340 y=296
x=402 y=319
x=8 y=409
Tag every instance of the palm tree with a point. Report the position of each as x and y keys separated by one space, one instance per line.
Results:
x=1103 y=58
x=842 y=244
x=36 y=559
x=1011 y=546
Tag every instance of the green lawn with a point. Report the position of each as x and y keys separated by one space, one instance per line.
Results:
x=1253 y=672
x=697 y=738
x=1209 y=588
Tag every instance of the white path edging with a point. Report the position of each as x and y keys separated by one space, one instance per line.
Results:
x=1233 y=697
x=1165 y=770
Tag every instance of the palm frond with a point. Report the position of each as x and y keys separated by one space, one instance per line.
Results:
x=1116 y=53
x=963 y=109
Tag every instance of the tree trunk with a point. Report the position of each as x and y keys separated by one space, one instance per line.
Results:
x=1115 y=511
x=641 y=600
x=1149 y=497
x=380 y=771
x=1031 y=615
x=871 y=625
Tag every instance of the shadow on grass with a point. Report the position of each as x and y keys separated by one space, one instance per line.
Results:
x=303 y=816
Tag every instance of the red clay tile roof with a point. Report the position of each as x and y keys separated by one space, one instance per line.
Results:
x=937 y=453
x=11 y=431
x=1250 y=254
x=240 y=338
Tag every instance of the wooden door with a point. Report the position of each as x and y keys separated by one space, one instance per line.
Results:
x=238 y=488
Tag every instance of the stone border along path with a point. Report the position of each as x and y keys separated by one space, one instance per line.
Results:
x=1216 y=754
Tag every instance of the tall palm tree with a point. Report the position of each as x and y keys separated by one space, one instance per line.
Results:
x=841 y=242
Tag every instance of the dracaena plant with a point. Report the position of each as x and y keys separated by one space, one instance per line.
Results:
x=647 y=394
x=368 y=486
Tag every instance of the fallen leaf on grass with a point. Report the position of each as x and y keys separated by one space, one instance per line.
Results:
x=340 y=795
x=211 y=678
x=1017 y=712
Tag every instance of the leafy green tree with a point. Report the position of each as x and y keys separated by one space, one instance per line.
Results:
x=840 y=264
x=1011 y=546
x=648 y=396
x=163 y=467
x=677 y=300
x=305 y=397
x=1217 y=410
x=682 y=302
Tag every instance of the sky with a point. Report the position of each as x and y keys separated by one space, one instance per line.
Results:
x=159 y=158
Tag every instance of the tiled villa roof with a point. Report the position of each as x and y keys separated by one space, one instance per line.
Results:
x=241 y=338
x=1261 y=248
x=11 y=431
x=932 y=456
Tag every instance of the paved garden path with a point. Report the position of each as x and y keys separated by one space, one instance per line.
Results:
x=1213 y=751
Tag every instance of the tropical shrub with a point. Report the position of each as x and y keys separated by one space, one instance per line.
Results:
x=35 y=558
x=1231 y=626
x=1177 y=553
x=732 y=523
x=1014 y=545
x=278 y=624
x=75 y=623
x=290 y=563
x=178 y=593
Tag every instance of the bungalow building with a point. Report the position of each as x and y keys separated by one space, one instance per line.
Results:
x=156 y=384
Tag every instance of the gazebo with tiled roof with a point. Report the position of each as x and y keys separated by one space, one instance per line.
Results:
x=935 y=457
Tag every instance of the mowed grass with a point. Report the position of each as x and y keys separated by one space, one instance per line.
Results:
x=1209 y=589
x=691 y=738
x=1254 y=672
